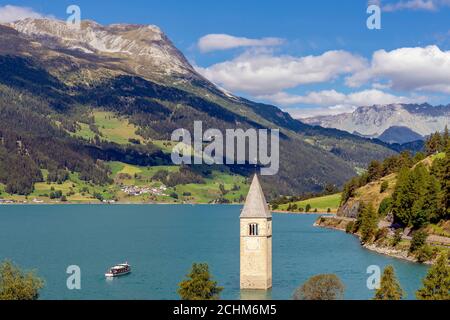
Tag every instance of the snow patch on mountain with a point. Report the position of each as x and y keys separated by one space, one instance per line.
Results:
x=144 y=44
x=372 y=121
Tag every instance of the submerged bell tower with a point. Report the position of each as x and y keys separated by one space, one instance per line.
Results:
x=256 y=240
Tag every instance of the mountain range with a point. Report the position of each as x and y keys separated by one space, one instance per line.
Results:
x=393 y=123
x=53 y=77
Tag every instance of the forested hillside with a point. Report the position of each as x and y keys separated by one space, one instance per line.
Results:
x=52 y=96
x=405 y=199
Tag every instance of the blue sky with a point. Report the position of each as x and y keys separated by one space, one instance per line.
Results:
x=309 y=57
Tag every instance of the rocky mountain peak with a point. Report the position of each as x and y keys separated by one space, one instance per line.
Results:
x=373 y=121
x=145 y=47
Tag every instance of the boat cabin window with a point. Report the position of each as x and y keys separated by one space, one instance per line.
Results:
x=253 y=229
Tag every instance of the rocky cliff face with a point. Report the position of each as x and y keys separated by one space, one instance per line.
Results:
x=350 y=209
x=142 y=49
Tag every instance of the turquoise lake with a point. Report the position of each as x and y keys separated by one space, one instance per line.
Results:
x=162 y=241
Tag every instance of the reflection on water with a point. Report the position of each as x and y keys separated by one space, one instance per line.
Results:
x=256 y=295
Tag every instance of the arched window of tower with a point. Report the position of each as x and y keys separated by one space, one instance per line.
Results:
x=253 y=229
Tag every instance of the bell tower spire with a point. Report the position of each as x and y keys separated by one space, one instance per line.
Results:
x=256 y=240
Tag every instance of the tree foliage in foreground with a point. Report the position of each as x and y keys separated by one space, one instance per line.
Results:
x=321 y=287
x=18 y=285
x=390 y=288
x=199 y=285
x=436 y=285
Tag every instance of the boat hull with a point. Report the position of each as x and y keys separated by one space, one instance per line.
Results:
x=115 y=275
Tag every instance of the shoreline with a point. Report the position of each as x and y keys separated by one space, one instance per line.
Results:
x=303 y=213
x=113 y=204
x=68 y=203
x=387 y=251
x=398 y=254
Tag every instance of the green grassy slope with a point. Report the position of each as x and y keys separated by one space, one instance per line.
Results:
x=112 y=128
x=124 y=175
x=322 y=204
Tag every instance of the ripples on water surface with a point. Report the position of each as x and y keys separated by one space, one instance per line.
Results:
x=162 y=241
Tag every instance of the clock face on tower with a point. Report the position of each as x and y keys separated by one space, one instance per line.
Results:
x=252 y=244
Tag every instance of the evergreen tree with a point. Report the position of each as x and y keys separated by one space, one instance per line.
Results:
x=368 y=223
x=418 y=240
x=417 y=197
x=349 y=190
x=405 y=159
x=385 y=206
x=433 y=206
x=420 y=179
x=390 y=288
x=434 y=143
x=330 y=189
x=402 y=198
x=445 y=138
x=436 y=285
x=374 y=171
x=199 y=285
x=384 y=186
x=419 y=156
x=441 y=167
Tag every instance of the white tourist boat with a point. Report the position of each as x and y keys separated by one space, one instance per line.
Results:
x=118 y=270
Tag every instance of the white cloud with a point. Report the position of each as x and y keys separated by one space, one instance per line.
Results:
x=426 y=5
x=374 y=2
x=262 y=73
x=332 y=98
x=323 y=98
x=215 y=42
x=266 y=76
x=422 y=69
x=303 y=113
x=10 y=13
x=333 y=103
